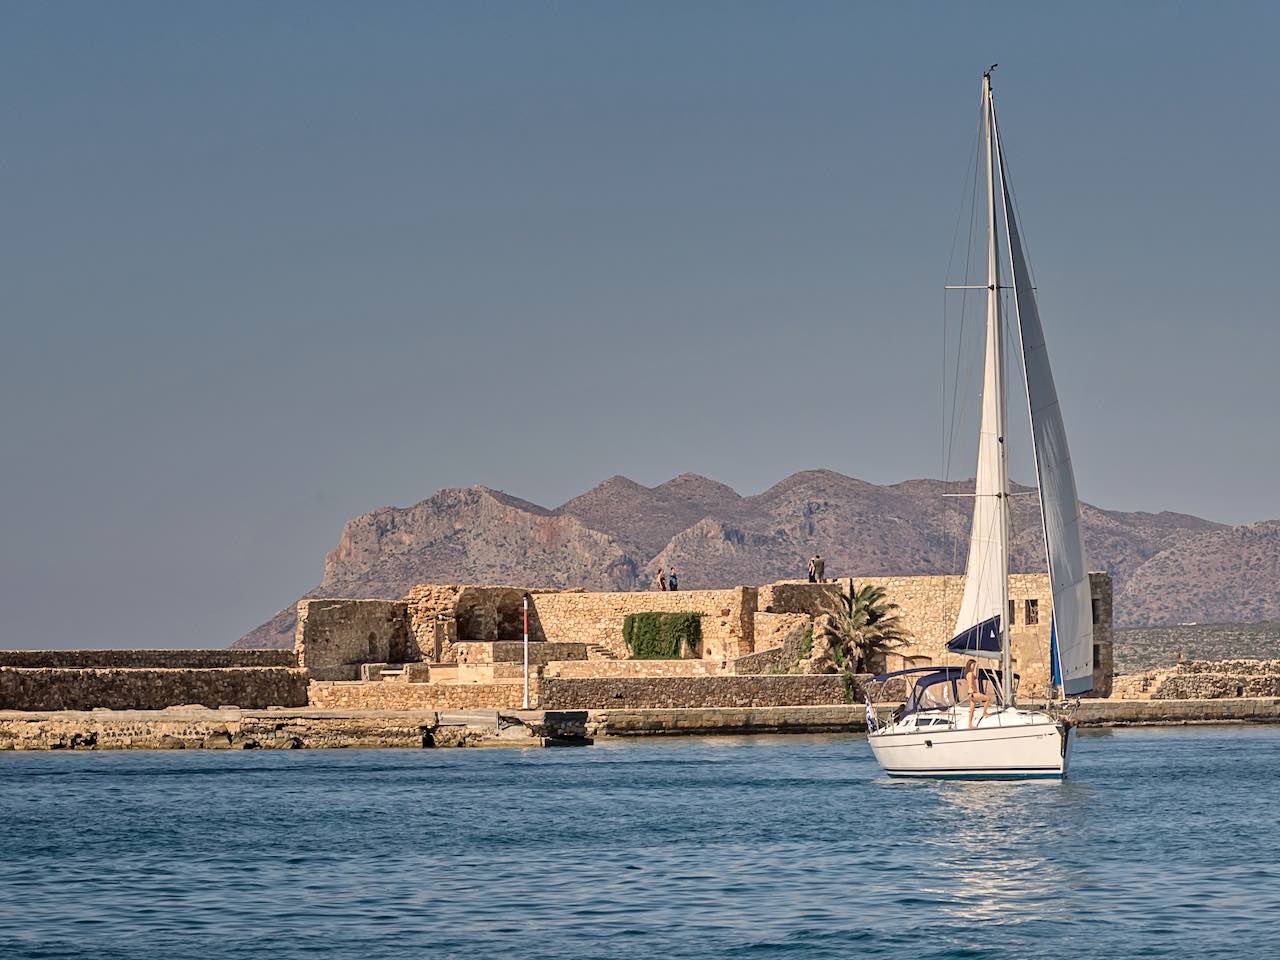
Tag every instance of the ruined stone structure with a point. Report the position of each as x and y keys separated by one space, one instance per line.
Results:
x=1203 y=680
x=470 y=636
x=334 y=637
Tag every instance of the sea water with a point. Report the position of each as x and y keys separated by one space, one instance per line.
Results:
x=1163 y=842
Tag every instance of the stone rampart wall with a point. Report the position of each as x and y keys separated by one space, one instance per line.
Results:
x=334 y=637
x=135 y=659
x=115 y=688
x=728 y=622
x=380 y=695
x=579 y=669
x=722 y=691
x=513 y=651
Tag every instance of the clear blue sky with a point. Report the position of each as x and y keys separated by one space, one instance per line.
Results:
x=266 y=266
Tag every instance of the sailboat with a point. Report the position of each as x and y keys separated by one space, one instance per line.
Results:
x=936 y=732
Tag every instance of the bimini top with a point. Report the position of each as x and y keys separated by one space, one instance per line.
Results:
x=881 y=677
x=938 y=687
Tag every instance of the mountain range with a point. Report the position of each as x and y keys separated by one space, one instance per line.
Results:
x=1167 y=567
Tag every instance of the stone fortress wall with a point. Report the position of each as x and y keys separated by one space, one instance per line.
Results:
x=728 y=628
x=149 y=679
x=460 y=635
x=152 y=659
x=112 y=688
x=459 y=647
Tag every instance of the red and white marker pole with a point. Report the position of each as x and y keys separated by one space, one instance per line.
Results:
x=526 y=651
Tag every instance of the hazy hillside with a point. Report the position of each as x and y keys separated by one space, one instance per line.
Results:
x=1168 y=567
x=1145 y=648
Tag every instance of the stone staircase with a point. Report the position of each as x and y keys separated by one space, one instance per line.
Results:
x=596 y=651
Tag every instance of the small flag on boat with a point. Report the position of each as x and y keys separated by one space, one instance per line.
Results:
x=872 y=723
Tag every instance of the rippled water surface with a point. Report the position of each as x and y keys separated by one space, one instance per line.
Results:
x=1163 y=843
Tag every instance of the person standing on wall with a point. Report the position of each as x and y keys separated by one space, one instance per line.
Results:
x=662 y=580
x=673 y=582
x=813 y=577
x=819 y=569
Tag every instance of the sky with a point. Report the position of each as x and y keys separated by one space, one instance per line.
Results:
x=268 y=266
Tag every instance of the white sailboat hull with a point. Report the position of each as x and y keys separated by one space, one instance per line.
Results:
x=1011 y=744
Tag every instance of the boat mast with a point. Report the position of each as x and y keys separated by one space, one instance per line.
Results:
x=995 y=356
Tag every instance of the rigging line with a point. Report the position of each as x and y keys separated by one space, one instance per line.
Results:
x=949 y=443
x=949 y=446
x=966 y=198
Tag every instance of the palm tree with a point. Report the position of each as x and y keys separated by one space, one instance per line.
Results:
x=862 y=627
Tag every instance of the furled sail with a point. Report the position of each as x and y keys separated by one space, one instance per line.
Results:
x=1072 y=624
x=986 y=572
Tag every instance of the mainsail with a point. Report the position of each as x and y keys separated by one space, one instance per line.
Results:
x=1072 y=625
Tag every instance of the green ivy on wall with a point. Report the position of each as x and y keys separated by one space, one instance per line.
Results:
x=662 y=636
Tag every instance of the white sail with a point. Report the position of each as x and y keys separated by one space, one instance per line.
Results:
x=1059 y=504
x=986 y=573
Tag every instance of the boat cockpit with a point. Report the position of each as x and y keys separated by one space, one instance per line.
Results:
x=937 y=689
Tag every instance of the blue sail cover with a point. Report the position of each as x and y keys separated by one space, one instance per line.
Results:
x=980 y=640
x=1055 y=659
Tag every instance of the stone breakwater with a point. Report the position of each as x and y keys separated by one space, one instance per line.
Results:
x=293 y=729
x=231 y=729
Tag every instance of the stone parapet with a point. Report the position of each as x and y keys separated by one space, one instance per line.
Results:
x=136 y=659
x=586 y=669
x=512 y=651
x=668 y=692
x=380 y=695
x=119 y=688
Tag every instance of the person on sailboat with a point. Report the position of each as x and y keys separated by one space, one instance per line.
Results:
x=975 y=692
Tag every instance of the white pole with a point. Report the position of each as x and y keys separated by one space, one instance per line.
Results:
x=526 y=651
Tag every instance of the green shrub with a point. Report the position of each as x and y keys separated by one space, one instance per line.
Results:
x=662 y=636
